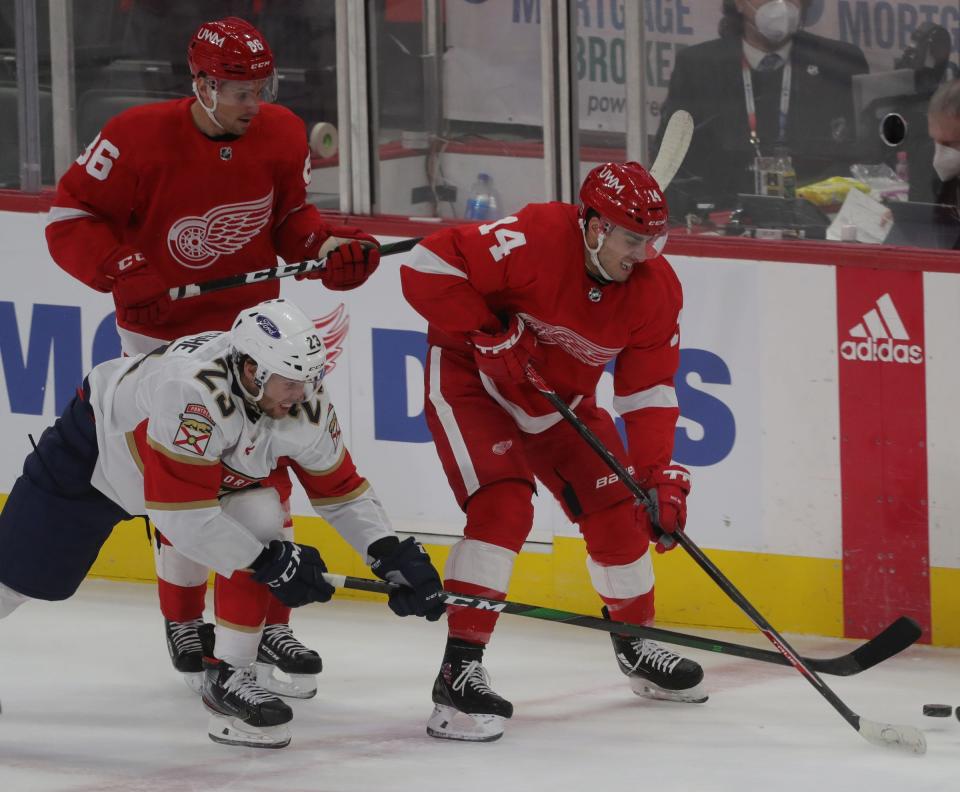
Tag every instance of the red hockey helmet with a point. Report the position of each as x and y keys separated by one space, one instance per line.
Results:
x=626 y=195
x=230 y=49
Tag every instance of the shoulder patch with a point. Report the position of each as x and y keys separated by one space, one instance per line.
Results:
x=333 y=427
x=195 y=429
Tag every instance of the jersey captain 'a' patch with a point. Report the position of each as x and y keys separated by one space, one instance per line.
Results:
x=195 y=429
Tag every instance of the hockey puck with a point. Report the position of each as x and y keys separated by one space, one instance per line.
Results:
x=938 y=710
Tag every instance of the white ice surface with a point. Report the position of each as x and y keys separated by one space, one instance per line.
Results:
x=90 y=703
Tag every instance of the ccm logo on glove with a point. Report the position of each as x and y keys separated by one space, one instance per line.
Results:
x=140 y=295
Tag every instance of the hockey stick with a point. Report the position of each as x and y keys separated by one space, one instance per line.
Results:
x=273 y=273
x=673 y=148
x=895 y=638
x=905 y=738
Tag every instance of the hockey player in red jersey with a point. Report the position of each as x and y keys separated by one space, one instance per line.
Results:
x=568 y=289
x=198 y=189
x=190 y=434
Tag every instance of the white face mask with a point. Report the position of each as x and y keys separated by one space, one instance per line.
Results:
x=777 y=20
x=946 y=162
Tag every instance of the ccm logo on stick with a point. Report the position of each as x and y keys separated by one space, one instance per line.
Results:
x=453 y=599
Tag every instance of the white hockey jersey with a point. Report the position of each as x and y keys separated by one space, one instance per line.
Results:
x=175 y=433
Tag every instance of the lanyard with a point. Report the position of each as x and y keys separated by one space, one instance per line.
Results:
x=752 y=106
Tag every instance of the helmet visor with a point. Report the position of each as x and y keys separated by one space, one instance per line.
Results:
x=641 y=247
x=289 y=391
x=241 y=92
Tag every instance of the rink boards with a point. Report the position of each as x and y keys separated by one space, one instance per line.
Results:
x=817 y=421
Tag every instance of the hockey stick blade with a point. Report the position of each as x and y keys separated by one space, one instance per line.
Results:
x=673 y=148
x=894 y=639
x=275 y=273
x=888 y=735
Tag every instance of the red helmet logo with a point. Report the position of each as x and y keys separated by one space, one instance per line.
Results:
x=627 y=196
x=229 y=49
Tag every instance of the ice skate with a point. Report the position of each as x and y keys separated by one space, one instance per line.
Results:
x=285 y=666
x=187 y=643
x=656 y=672
x=242 y=712
x=465 y=708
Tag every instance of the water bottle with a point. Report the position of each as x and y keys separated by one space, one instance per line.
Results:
x=788 y=177
x=482 y=203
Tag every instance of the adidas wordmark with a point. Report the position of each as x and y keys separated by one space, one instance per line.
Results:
x=884 y=337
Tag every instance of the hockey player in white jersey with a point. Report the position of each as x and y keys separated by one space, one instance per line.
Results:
x=190 y=435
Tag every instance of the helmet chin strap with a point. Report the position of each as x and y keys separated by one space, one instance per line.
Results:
x=251 y=398
x=601 y=236
x=209 y=110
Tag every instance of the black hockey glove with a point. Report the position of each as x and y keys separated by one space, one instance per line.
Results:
x=408 y=565
x=293 y=572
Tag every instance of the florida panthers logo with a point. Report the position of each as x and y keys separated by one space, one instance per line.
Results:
x=197 y=242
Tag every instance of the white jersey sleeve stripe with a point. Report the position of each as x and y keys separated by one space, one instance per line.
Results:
x=58 y=214
x=657 y=396
x=531 y=424
x=429 y=263
x=450 y=427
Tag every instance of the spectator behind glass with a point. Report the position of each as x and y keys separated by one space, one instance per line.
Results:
x=759 y=53
x=941 y=152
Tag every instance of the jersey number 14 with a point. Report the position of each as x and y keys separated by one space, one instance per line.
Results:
x=507 y=238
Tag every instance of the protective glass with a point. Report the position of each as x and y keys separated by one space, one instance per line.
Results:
x=240 y=92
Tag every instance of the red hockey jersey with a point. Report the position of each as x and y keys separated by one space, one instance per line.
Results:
x=195 y=207
x=472 y=277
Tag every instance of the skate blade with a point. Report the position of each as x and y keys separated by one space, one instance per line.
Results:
x=448 y=723
x=645 y=688
x=300 y=686
x=194 y=681
x=233 y=731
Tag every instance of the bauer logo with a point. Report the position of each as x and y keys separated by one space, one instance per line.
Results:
x=881 y=337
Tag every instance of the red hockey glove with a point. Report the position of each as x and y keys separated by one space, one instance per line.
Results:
x=668 y=488
x=352 y=257
x=505 y=356
x=139 y=294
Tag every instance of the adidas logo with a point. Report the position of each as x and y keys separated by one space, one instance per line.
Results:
x=884 y=337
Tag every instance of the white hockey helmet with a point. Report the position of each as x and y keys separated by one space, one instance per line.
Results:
x=281 y=340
